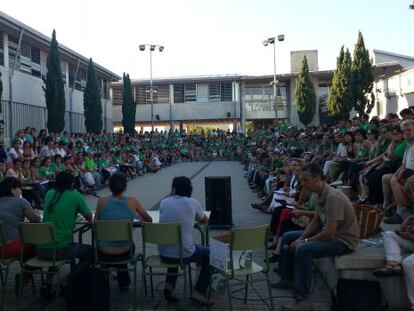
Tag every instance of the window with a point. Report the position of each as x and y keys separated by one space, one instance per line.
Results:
x=79 y=80
x=35 y=57
x=214 y=94
x=1 y=50
x=178 y=93
x=117 y=96
x=190 y=92
x=226 y=92
x=13 y=43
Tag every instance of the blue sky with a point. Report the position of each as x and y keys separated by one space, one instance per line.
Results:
x=204 y=37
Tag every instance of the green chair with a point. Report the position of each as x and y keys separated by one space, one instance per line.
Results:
x=4 y=265
x=116 y=230
x=43 y=233
x=161 y=234
x=243 y=239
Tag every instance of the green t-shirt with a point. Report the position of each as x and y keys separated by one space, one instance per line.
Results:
x=102 y=163
x=400 y=149
x=63 y=215
x=54 y=167
x=45 y=171
x=1 y=176
x=90 y=164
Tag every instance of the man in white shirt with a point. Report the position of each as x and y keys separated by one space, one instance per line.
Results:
x=398 y=179
x=179 y=207
x=47 y=150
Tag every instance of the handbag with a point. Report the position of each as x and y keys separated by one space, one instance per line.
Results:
x=301 y=221
x=369 y=219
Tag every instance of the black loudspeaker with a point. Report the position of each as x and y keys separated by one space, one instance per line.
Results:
x=218 y=200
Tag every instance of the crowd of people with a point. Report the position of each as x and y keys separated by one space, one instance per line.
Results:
x=307 y=180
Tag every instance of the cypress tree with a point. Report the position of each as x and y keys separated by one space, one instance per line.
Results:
x=340 y=100
x=128 y=106
x=54 y=89
x=362 y=76
x=92 y=105
x=305 y=95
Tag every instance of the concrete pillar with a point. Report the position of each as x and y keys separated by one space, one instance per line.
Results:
x=242 y=107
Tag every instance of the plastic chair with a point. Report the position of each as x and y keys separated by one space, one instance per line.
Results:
x=116 y=230
x=43 y=233
x=4 y=265
x=244 y=239
x=161 y=234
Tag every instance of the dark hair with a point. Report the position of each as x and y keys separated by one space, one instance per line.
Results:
x=314 y=170
x=362 y=132
x=64 y=181
x=117 y=183
x=7 y=185
x=182 y=186
x=406 y=112
x=44 y=160
x=374 y=132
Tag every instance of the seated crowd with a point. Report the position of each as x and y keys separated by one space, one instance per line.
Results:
x=369 y=162
x=295 y=173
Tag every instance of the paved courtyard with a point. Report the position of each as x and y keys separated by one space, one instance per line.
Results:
x=150 y=189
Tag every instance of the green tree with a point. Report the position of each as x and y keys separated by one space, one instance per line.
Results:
x=54 y=89
x=340 y=99
x=362 y=76
x=92 y=105
x=128 y=106
x=305 y=95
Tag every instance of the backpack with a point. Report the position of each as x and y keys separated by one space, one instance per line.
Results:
x=88 y=290
x=359 y=295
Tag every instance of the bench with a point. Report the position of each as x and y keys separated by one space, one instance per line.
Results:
x=359 y=266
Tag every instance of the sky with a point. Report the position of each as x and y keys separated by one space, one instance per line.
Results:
x=210 y=37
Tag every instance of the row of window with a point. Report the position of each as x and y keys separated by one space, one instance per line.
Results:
x=29 y=61
x=182 y=93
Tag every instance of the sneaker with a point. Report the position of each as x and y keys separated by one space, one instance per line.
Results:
x=304 y=305
x=394 y=220
x=337 y=183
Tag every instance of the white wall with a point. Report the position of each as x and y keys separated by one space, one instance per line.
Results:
x=183 y=111
x=394 y=93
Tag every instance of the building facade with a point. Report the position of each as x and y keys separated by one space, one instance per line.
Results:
x=23 y=57
x=240 y=101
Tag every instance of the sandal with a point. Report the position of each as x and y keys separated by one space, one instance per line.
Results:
x=390 y=269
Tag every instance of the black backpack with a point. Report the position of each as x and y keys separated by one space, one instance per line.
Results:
x=88 y=290
x=358 y=295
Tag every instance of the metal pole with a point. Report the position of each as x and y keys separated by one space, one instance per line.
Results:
x=11 y=73
x=151 y=93
x=274 y=79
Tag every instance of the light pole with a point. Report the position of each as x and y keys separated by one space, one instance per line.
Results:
x=266 y=42
x=152 y=48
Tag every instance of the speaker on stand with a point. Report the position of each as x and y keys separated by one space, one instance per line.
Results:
x=218 y=201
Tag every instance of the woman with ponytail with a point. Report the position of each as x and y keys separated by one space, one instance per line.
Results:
x=62 y=206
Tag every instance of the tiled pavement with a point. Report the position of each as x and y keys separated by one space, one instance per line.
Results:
x=150 y=189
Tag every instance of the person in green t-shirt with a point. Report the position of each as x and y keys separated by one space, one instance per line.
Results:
x=2 y=170
x=57 y=165
x=45 y=170
x=62 y=206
